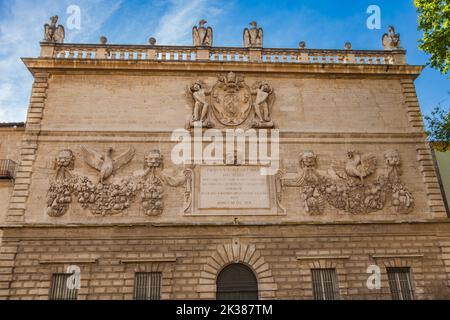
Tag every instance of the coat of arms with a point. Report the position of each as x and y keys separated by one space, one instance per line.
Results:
x=232 y=101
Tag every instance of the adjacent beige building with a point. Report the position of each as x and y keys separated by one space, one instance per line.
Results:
x=442 y=159
x=98 y=192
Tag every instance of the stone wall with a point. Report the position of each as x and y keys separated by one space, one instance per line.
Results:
x=158 y=102
x=327 y=114
x=10 y=141
x=190 y=258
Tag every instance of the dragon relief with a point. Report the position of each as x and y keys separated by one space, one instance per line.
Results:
x=109 y=198
x=230 y=102
x=344 y=186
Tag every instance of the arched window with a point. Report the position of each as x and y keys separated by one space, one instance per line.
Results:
x=237 y=282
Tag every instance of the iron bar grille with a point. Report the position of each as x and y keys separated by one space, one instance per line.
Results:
x=7 y=169
x=147 y=286
x=400 y=283
x=59 y=289
x=324 y=284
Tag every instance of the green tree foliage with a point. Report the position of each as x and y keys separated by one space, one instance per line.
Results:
x=438 y=125
x=434 y=21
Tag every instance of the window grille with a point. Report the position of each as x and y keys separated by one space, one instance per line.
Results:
x=400 y=283
x=324 y=284
x=147 y=286
x=59 y=290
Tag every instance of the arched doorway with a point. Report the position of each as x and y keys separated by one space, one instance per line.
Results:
x=237 y=282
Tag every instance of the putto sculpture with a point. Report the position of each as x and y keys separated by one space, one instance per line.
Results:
x=253 y=37
x=198 y=90
x=202 y=36
x=53 y=32
x=391 y=40
x=264 y=94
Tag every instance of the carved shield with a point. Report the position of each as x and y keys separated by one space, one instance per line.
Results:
x=231 y=102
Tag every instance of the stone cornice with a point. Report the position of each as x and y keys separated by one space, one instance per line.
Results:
x=221 y=224
x=119 y=66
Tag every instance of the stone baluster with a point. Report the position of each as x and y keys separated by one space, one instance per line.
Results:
x=203 y=53
x=255 y=55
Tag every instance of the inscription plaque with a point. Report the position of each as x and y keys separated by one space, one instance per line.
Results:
x=233 y=187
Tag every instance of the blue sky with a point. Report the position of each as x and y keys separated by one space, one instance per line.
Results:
x=321 y=23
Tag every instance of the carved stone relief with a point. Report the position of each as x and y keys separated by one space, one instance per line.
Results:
x=61 y=187
x=109 y=198
x=230 y=102
x=344 y=187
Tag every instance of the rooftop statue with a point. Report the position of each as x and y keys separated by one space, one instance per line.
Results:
x=253 y=38
x=391 y=40
x=202 y=36
x=53 y=32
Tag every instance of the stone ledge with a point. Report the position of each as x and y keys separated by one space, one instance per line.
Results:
x=81 y=65
x=68 y=261
x=321 y=257
x=393 y=256
x=147 y=260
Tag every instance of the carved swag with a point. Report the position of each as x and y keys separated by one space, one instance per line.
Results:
x=109 y=198
x=344 y=187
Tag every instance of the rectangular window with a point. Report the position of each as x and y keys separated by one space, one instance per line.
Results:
x=400 y=283
x=324 y=284
x=147 y=286
x=60 y=290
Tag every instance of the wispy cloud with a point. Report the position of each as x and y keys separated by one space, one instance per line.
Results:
x=21 y=30
x=176 y=25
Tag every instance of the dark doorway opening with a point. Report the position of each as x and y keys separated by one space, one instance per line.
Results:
x=237 y=282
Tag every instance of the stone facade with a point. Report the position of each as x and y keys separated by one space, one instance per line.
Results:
x=96 y=186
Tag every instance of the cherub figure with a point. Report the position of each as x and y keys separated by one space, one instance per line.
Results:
x=201 y=105
x=263 y=93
